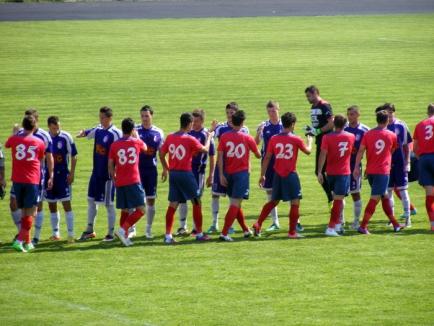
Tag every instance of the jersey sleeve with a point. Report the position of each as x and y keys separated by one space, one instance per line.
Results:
x=301 y=144
x=327 y=110
x=141 y=146
x=163 y=147
x=8 y=143
x=195 y=145
x=252 y=145
x=41 y=150
x=90 y=133
x=221 y=145
x=416 y=130
x=271 y=145
x=363 y=142
x=112 y=154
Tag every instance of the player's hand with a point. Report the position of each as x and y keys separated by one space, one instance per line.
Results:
x=408 y=167
x=320 y=178
x=223 y=181
x=70 y=178
x=81 y=134
x=164 y=175
x=134 y=133
x=311 y=131
x=209 y=181
x=356 y=173
x=261 y=181
x=214 y=124
x=15 y=128
x=260 y=128
x=50 y=184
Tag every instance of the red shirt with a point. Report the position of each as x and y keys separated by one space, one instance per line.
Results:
x=236 y=147
x=125 y=154
x=339 y=146
x=424 y=134
x=27 y=152
x=181 y=147
x=379 y=144
x=284 y=147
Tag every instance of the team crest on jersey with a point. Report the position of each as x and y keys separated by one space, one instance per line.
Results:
x=397 y=131
x=59 y=145
x=105 y=139
x=155 y=138
x=357 y=137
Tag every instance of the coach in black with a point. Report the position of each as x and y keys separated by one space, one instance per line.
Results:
x=321 y=115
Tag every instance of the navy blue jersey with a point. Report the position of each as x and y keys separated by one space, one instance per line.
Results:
x=269 y=131
x=42 y=135
x=104 y=138
x=153 y=138
x=225 y=127
x=319 y=115
x=359 y=131
x=399 y=128
x=200 y=160
x=63 y=148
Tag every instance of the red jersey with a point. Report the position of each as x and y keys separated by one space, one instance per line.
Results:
x=284 y=147
x=181 y=147
x=339 y=146
x=424 y=134
x=125 y=154
x=236 y=147
x=27 y=152
x=379 y=144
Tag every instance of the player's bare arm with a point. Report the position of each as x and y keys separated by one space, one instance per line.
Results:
x=211 y=171
x=111 y=169
x=264 y=168
x=163 y=161
x=223 y=180
x=356 y=172
x=321 y=162
x=72 y=170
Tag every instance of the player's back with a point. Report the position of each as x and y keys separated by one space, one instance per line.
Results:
x=104 y=138
x=339 y=146
x=125 y=153
x=236 y=146
x=424 y=134
x=379 y=143
x=284 y=147
x=181 y=148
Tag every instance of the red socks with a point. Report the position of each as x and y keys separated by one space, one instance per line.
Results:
x=124 y=216
x=170 y=219
x=131 y=219
x=268 y=207
x=338 y=205
x=387 y=208
x=26 y=225
x=230 y=217
x=293 y=219
x=197 y=217
x=242 y=220
x=429 y=203
x=369 y=211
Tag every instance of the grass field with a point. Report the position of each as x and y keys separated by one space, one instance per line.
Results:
x=73 y=68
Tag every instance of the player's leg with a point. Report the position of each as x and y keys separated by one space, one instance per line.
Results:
x=429 y=204
x=217 y=191
x=69 y=217
x=183 y=212
x=231 y=215
x=39 y=220
x=240 y=184
x=426 y=180
x=291 y=191
x=357 y=209
x=95 y=194
x=339 y=185
x=109 y=195
x=55 y=221
x=325 y=184
x=293 y=219
x=413 y=210
x=175 y=195
x=268 y=187
x=15 y=211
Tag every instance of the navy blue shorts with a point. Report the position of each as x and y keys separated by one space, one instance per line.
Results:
x=286 y=188
x=101 y=190
x=217 y=188
x=379 y=184
x=61 y=190
x=398 y=177
x=130 y=196
x=339 y=184
x=238 y=185
x=269 y=178
x=355 y=184
x=182 y=186
x=200 y=179
x=149 y=178
x=426 y=170
x=26 y=194
x=40 y=190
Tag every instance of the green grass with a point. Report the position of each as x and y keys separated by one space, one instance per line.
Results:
x=72 y=68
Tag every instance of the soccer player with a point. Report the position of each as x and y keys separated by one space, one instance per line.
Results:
x=265 y=131
x=47 y=165
x=400 y=162
x=379 y=144
x=321 y=115
x=101 y=190
x=123 y=166
x=2 y=174
x=27 y=154
x=181 y=147
x=218 y=190
x=153 y=137
x=64 y=151
x=336 y=148
x=198 y=166
x=233 y=164
x=286 y=186
x=358 y=130
x=424 y=148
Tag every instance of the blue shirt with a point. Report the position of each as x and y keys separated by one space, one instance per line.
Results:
x=359 y=131
x=399 y=128
x=104 y=138
x=200 y=160
x=63 y=148
x=153 y=138
x=224 y=127
x=42 y=135
x=269 y=131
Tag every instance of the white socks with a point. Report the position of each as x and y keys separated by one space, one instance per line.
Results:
x=215 y=206
x=16 y=217
x=273 y=213
x=405 y=198
x=150 y=213
x=55 y=220
x=70 y=223
x=357 y=210
x=111 y=218
x=92 y=210
x=38 y=224
x=183 y=211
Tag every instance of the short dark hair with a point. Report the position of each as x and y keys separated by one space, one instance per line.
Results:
x=53 y=120
x=199 y=113
x=389 y=107
x=272 y=104
x=127 y=126
x=185 y=119
x=353 y=108
x=29 y=122
x=107 y=111
x=147 y=108
x=430 y=109
x=339 y=121
x=311 y=89
x=382 y=116
x=33 y=112
x=288 y=119
x=238 y=118
x=232 y=106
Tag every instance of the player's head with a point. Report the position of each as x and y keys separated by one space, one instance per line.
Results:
x=198 y=118
x=146 y=114
x=353 y=114
x=53 y=124
x=29 y=123
x=382 y=117
x=186 y=121
x=430 y=109
x=127 y=126
x=312 y=94
x=390 y=108
x=238 y=118
x=32 y=112
x=231 y=108
x=105 y=116
x=339 y=122
x=273 y=109
x=288 y=120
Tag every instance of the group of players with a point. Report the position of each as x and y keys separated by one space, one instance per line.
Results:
x=43 y=168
